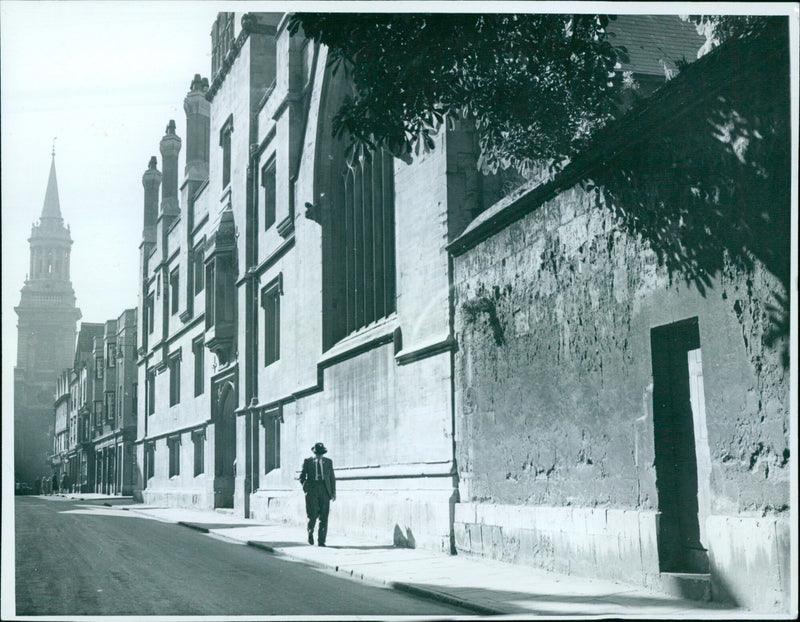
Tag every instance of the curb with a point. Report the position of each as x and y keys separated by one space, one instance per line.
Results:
x=400 y=586
x=447 y=599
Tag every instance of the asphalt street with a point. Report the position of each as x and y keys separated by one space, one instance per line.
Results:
x=84 y=558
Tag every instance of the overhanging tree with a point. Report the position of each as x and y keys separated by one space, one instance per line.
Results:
x=536 y=86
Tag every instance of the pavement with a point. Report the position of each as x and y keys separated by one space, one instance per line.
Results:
x=484 y=586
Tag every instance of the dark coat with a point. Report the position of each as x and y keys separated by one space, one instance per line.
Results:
x=308 y=474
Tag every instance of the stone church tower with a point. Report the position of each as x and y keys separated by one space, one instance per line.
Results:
x=45 y=337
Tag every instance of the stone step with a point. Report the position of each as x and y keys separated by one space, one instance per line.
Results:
x=694 y=586
x=228 y=511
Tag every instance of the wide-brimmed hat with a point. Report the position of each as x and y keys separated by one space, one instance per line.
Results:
x=319 y=448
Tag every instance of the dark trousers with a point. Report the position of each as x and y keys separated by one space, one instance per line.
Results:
x=318 y=504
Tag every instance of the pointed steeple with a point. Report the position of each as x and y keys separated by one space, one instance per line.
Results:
x=52 y=207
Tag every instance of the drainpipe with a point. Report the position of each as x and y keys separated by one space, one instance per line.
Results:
x=455 y=496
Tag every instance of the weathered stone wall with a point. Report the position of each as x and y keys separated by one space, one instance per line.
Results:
x=554 y=384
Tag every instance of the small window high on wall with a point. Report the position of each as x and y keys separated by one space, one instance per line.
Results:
x=268 y=183
x=225 y=143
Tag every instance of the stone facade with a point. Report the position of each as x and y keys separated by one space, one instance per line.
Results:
x=46 y=337
x=498 y=381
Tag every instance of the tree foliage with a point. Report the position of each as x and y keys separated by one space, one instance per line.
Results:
x=534 y=85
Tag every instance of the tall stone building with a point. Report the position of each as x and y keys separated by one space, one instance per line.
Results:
x=46 y=336
x=517 y=378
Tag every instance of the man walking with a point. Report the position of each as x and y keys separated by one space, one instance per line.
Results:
x=319 y=484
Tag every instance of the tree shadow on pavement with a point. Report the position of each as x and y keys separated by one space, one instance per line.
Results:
x=576 y=604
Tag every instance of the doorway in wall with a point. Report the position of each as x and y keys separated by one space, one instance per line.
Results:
x=682 y=457
x=225 y=446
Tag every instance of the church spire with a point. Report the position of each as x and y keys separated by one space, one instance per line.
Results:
x=52 y=207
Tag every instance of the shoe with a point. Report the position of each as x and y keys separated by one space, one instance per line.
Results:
x=310 y=539
x=322 y=544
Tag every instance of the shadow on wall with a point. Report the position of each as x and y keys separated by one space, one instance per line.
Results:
x=404 y=541
x=701 y=171
x=137 y=483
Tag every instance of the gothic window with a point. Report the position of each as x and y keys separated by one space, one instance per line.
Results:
x=361 y=229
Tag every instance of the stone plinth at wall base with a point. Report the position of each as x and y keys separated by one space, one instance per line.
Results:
x=750 y=563
x=611 y=544
x=403 y=518
x=196 y=498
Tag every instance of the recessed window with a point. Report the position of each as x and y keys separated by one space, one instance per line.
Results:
x=271 y=303
x=174 y=445
x=98 y=413
x=199 y=269
x=199 y=441
x=174 y=290
x=268 y=183
x=210 y=301
x=225 y=143
x=149 y=460
x=150 y=389
x=150 y=312
x=174 y=365
x=272 y=441
x=111 y=405
x=111 y=354
x=198 y=349
x=98 y=367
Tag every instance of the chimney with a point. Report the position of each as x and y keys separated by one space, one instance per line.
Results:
x=151 y=180
x=198 y=129
x=170 y=148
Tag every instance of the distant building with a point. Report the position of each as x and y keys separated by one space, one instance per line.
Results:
x=46 y=337
x=114 y=414
x=85 y=392
x=95 y=410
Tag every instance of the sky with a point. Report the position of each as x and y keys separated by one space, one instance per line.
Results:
x=100 y=81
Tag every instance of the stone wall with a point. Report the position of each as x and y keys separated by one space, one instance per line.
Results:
x=554 y=397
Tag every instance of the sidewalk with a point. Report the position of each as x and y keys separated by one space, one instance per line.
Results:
x=485 y=587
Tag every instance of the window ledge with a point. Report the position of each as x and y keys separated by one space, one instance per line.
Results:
x=364 y=337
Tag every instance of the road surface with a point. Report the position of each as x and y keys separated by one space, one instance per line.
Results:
x=83 y=558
